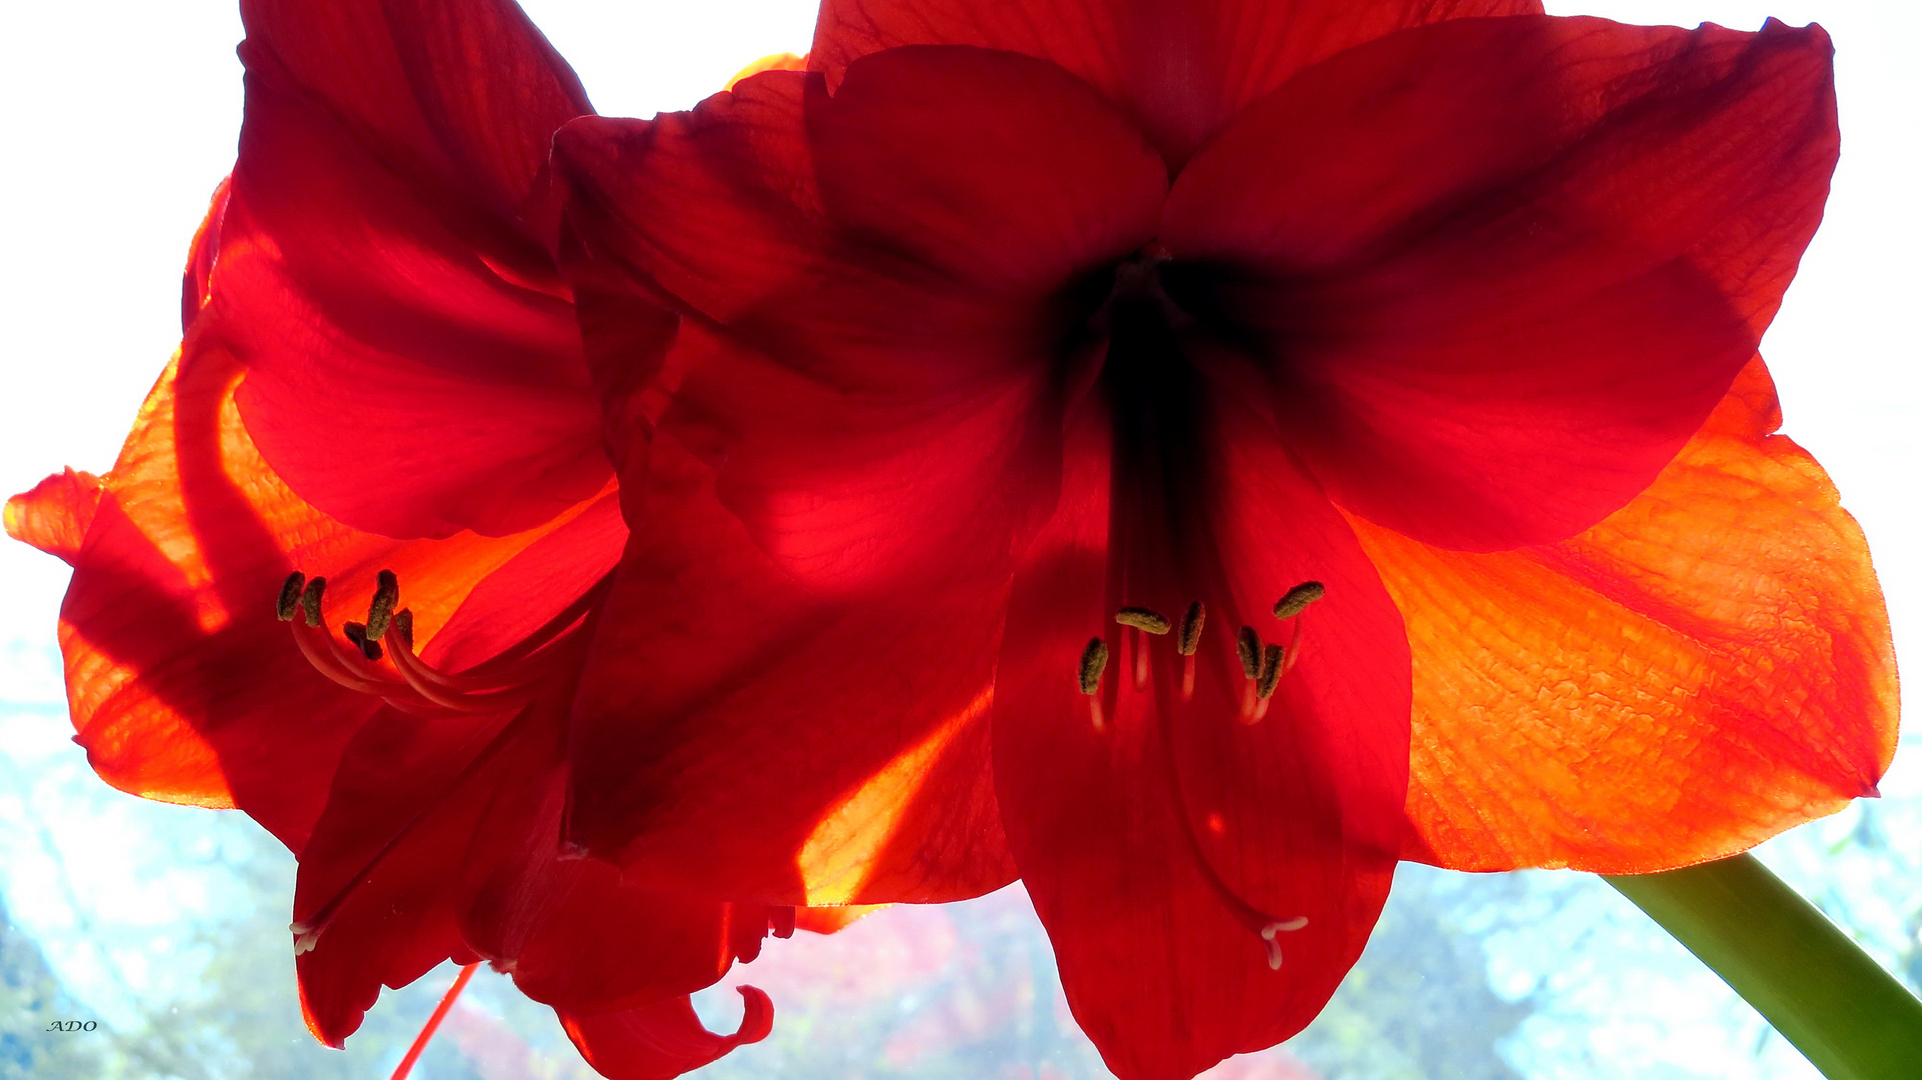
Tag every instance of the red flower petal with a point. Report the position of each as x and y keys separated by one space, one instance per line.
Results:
x=441 y=838
x=1159 y=849
x=384 y=267
x=1180 y=69
x=196 y=281
x=1703 y=669
x=659 y=1042
x=178 y=674
x=56 y=514
x=1505 y=343
x=738 y=734
x=911 y=235
x=866 y=357
x=573 y=932
x=377 y=898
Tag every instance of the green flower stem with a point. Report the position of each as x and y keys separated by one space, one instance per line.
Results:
x=1820 y=990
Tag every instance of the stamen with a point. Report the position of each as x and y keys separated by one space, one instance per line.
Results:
x=381 y=611
x=342 y=666
x=1254 y=699
x=289 y=600
x=1144 y=619
x=1190 y=637
x=310 y=600
x=1094 y=660
x=404 y=626
x=1248 y=647
x=1186 y=643
x=1296 y=600
x=1270 y=672
x=357 y=634
x=1274 y=947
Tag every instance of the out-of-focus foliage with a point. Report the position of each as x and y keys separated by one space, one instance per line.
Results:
x=33 y=1003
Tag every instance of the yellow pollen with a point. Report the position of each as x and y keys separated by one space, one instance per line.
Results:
x=310 y=600
x=1094 y=660
x=381 y=611
x=289 y=600
x=1296 y=600
x=1143 y=619
x=1270 y=672
x=1248 y=647
x=1190 y=637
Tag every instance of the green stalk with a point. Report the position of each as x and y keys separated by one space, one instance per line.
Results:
x=1820 y=990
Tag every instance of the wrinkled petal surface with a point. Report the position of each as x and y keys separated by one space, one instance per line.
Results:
x=1703 y=669
x=385 y=267
x=1180 y=70
x=1505 y=344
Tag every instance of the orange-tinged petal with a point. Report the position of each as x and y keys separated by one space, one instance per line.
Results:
x=786 y=61
x=183 y=686
x=55 y=515
x=1705 y=668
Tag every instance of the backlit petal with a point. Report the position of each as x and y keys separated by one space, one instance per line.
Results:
x=385 y=268
x=1160 y=846
x=55 y=515
x=180 y=679
x=1180 y=69
x=875 y=284
x=740 y=735
x=659 y=1042
x=1498 y=271
x=1703 y=669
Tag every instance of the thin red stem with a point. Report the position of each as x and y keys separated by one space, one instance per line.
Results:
x=433 y=1022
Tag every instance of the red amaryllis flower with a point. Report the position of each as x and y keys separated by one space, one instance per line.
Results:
x=1193 y=455
x=372 y=307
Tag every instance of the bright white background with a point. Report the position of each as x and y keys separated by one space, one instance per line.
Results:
x=118 y=117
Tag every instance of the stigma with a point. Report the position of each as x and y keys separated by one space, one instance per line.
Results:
x=1270 y=932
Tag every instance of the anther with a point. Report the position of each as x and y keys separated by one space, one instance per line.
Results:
x=1296 y=600
x=1270 y=672
x=357 y=634
x=1269 y=932
x=404 y=626
x=310 y=600
x=1248 y=647
x=289 y=599
x=1094 y=660
x=1190 y=637
x=1143 y=619
x=381 y=611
